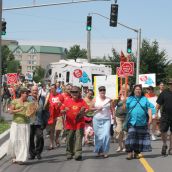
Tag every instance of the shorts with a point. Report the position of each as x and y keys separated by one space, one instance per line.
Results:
x=165 y=124
x=59 y=123
x=118 y=130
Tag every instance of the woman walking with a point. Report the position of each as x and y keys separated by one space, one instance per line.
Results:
x=139 y=118
x=20 y=129
x=102 y=122
x=120 y=114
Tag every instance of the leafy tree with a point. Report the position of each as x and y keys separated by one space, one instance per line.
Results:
x=153 y=60
x=13 y=66
x=7 y=57
x=75 y=52
x=38 y=74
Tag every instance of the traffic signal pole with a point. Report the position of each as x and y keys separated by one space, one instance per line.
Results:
x=138 y=31
x=89 y=45
x=0 y=56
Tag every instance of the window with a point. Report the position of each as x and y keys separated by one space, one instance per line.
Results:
x=34 y=62
x=67 y=76
x=33 y=67
x=28 y=68
x=60 y=75
x=29 y=62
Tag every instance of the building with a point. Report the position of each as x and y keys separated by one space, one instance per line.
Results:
x=31 y=56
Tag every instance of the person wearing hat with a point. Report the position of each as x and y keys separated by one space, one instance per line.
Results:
x=74 y=109
x=102 y=122
x=164 y=100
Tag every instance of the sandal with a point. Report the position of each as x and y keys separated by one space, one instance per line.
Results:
x=50 y=147
x=129 y=157
x=136 y=156
x=164 y=149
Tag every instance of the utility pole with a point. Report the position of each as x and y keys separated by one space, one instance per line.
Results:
x=138 y=31
x=89 y=46
x=0 y=56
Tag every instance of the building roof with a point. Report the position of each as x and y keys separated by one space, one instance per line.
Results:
x=38 y=49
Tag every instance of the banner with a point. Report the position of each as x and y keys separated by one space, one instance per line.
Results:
x=111 y=84
x=147 y=80
x=12 y=78
x=29 y=76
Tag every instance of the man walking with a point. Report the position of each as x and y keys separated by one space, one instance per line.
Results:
x=164 y=100
x=36 y=127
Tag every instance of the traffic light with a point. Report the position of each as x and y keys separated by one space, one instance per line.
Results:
x=89 y=23
x=3 y=27
x=114 y=15
x=129 y=46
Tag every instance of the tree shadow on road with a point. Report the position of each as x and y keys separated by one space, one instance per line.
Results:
x=152 y=156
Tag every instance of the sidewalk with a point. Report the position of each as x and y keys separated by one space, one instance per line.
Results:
x=4 y=136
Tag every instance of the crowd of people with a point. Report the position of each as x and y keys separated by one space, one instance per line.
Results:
x=77 y=117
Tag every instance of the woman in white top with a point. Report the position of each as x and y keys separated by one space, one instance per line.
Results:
x=102 y=122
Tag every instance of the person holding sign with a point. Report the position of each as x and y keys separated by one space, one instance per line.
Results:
x=102 y=122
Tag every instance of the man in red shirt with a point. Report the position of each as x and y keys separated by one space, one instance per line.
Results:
x=74 y=109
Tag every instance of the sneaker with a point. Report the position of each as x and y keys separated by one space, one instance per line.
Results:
x=119 y=149
x=39 y=157
x=69 y=157
x=123 y=150
x=78 y=158
x=153 y=138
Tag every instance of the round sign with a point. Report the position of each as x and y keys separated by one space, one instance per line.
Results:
x=77 y=73
x=11 y=78
x=127 y=68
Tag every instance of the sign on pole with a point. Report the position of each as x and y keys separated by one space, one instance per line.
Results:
x=12 y=78
x=127 y=68
x=119 y=72
x=111 y=84
x=29 y=76
x=147 y=80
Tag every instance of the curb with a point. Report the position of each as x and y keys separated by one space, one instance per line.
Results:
x=4 y=133
x=4 y=146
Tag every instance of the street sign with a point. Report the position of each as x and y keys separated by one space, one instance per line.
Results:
x=29 y=76
x=127 y=68
x=119 y=72
x=12 y=78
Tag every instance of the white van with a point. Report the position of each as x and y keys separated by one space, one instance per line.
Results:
x=79 y=73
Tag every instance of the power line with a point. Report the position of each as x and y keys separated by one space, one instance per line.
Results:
x=51 y=4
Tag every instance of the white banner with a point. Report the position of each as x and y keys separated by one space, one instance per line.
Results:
x=147 y=80
x=29 y=76
x=111 y=84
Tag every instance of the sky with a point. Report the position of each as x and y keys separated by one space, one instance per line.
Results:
x=65 y=25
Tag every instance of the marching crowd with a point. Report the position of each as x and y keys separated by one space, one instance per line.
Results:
x=78 y=118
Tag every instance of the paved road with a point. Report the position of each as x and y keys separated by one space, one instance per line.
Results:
x=55 y=161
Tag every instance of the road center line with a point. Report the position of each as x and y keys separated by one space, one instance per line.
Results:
x=145 y=164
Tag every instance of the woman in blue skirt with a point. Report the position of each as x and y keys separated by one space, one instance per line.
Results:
x=139 y=118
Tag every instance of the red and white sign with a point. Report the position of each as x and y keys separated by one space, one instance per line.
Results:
x=119 y=72
x=12 y=78
x=77 y=73
x=127 y=68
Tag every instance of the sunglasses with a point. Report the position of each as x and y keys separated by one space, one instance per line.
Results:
x=102 y=90
x=74 y=92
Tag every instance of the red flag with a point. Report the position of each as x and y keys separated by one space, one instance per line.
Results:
x=122 y=57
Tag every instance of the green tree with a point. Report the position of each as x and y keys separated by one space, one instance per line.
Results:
x=152 y=60
x=13 y=66
x=38 y=74
x=7 y=57
x=76 y=52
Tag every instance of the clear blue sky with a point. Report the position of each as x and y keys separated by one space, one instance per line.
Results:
x=65 y=25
